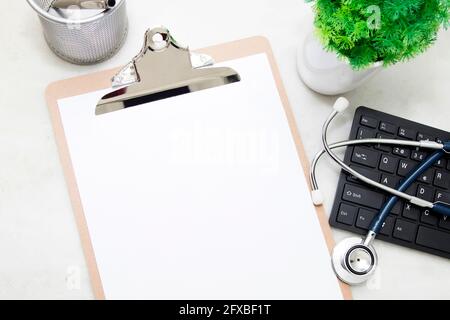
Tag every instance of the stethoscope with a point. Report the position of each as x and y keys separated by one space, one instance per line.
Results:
x=354 y=260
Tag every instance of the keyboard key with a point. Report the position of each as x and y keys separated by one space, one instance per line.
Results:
x=407 y=133
x=364 y=219
x=442 y=196
x=424 y=136
x=363 y=196
x=371 y=174
x=388 y=226
x=405 y=167
x=397 y=208
x=384 y=147
x=444 y=223
x=405 y=230
x=440 y=163
x=402 y=152
x=388 y=127
x=369 y=122
x=365 y=157
x=418 y=155
x=388 y=163
x=442 y=179
x=364 y=133
x=411 y=212
x=427 y=176
x=433 y=239
x=425 y=193
x=412 y=190
x=347 y=214
x=428 y=217
x=390 y=181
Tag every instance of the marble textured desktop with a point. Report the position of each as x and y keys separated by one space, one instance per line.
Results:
x=41 y=250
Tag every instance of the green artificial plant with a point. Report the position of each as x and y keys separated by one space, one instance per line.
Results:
x=368 y=31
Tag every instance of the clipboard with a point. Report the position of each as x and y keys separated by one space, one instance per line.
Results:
x=98 y=81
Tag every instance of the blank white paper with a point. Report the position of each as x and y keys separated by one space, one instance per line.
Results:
x=200 y=196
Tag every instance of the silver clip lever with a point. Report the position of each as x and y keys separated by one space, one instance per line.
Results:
x=162 y=69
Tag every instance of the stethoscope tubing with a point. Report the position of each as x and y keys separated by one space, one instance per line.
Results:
x=341 y=253
x=438 y=207
x=378 y=221
x=400 y=192
x=414 y=200
x=346 y=143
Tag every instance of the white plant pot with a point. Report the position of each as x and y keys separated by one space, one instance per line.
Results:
x=325 y=73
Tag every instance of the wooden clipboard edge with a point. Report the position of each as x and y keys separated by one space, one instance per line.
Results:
x=54 y=92
x=101 y=80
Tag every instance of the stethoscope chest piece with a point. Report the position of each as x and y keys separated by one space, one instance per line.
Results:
x=353 y=261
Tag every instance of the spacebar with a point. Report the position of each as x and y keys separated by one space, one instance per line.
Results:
x=433 y=239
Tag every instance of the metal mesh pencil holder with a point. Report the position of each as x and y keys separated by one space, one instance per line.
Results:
x=84 y=41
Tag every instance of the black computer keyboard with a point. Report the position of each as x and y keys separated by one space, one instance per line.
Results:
x=356 y=204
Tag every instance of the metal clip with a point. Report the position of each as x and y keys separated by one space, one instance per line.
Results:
x=162 y=69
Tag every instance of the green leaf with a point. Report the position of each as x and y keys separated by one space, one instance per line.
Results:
x=405 y=28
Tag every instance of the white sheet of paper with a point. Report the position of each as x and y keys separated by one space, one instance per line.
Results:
x=200 y=196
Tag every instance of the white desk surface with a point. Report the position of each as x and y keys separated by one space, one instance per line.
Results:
x=41 y=255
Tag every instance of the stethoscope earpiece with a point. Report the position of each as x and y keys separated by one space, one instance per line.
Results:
x=353 y=261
